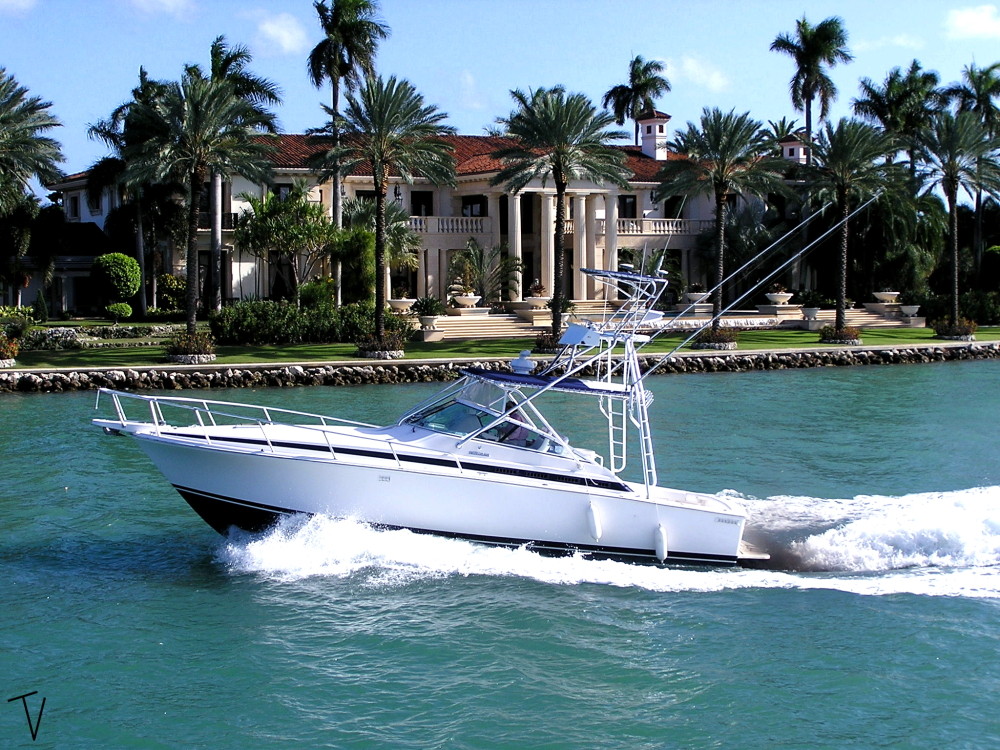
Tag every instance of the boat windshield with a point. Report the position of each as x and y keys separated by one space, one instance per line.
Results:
x=457 y=416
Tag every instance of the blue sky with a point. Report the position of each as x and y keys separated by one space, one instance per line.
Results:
x=466 y=55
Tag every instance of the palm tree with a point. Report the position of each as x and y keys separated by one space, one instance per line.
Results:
x=558 y=136
x=979 y=92
x=25 y=151
x=902 y=105
x=388 y=128
x=195 y=126
x=725 y=156
x=230 y=64
x=959 y=153
x=491 y=271
x=121 y=135
x=401 y=242
x=814 y=48
x=345 y=57
x=631 y=100
x=850 y=162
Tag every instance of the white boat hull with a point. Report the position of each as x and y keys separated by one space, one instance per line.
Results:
x=550 y=512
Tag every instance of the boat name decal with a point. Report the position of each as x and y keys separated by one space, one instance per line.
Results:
x=733 y=521
x=479 y=453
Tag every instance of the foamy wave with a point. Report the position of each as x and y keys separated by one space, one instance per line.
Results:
x=937 y=544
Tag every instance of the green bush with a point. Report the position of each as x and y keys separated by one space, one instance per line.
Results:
x=119 y=311
x=198 y=342
x=160 y=315
x=116 y=276
x=40 y=310
x=257 y=322
x=317 y=293
x=171 y=292
x=831 y=334
x=961 y=327
x=14 y=325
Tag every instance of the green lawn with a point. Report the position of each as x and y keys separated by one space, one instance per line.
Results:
x=484 y=348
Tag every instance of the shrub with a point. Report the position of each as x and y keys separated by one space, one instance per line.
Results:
x=718 y=335
x=40 y=310
x=8 y=347
x=546 y=342
x=961 y=327
x=317 y=293
x=257 y=322
x=14 y=326
x=830 y=334
x=980 y=306
x=171 y=292
x=160 y=315
x=116 y=276
x=391 y=341
x=198 y=342
x=119 y=311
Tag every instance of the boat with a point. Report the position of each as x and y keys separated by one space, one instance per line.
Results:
x=477 y=461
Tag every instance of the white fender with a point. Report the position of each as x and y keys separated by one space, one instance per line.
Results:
x=594 y=519
x=661 y=542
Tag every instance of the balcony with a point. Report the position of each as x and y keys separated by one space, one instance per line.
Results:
x=205 y=220
x=659 y=227
x=461 y=225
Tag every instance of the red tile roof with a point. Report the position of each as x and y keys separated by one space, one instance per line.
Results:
x=472 y=155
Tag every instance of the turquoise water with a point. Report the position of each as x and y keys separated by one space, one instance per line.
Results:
x=877 y=490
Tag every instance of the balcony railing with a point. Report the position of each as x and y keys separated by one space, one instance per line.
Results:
x=451 y=224
x=658 y=226
x=205 y=220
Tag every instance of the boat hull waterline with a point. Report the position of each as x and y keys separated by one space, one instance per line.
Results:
x=232 y=480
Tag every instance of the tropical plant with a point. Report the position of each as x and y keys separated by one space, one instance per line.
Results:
x=118 y=311
x=344 y=57
x=814 y=48
x=725 y=156
x=902 y=106
x=230 y=64
x=353 y=250
x=401 y=242
x=979 y=92
x=633 y=99
x=116 y=276
x=188 y=343
x=427 y=306
x=558 y=136
x=25 y=151
x=489 y=271
x=958 y=153
x=388 y=128
x=195 y=126
x=850 y=162
x=290 y=230
x=17 y=222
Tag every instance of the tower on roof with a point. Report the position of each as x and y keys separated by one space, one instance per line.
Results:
x=653 y=128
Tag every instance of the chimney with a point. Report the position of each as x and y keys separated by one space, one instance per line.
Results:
x=653 y=129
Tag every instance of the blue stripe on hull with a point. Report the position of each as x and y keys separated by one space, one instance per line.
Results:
x=222 y=513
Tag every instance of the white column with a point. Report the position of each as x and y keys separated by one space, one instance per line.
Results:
x=493 y=210
x=514 y=239
x=611 y=231
x=591 y=220
x=443 y=280
x=579 y=246
x=547 y=231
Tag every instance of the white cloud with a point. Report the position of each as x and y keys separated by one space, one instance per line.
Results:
x=471 y=97
x=974 y=22
x=282 y=34
x=903 y=41
x=17 y=6
x=698 y=72
x=177 y=8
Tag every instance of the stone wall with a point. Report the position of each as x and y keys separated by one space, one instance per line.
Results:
x=259 y=376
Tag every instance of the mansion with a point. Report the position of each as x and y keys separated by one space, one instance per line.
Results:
x=604 y=222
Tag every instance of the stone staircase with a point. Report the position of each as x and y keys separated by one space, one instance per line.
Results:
x=466 y=327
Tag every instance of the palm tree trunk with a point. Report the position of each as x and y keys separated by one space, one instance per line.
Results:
x=336 y=207
x=977 y=235
x=558 y=294
x=215 y=267
x=380 y=194
x=841 y=320
x=809 y=132
x=140 y=253
x=953 y=232
x=720 y=260
x=198 y=177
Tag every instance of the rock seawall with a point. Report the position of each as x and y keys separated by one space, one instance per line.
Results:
x=271 y=376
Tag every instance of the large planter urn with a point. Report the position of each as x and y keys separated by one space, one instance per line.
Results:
x=537 y=302
x=428 y=322
x=696 y=297
x=886 y=297
x=401 y=305
x=909 y=311
x=779 y=298
x=810 y=313
x=467 y=300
